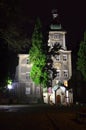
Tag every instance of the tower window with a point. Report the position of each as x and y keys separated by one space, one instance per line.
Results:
x=65 y=73
x=57 y=57
x=56 y=36
x=64 y=57
x=58 y=73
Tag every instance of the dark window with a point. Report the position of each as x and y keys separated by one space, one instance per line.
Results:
x=58 y=73
x=57 y=57
x=64 y=57
x=56 y=36
x=27 y=76
x=28 y=61
x=65 y=73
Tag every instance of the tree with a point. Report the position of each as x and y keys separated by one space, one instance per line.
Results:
x=81 y=63
x=14 y=38
x=13 y=26
x=52 y=72
x=37 y=57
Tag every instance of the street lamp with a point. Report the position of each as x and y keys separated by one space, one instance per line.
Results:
x=9 y=85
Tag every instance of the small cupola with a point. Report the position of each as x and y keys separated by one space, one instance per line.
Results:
x=55 y=24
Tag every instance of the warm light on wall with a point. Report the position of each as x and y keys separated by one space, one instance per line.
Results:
x=66 y=83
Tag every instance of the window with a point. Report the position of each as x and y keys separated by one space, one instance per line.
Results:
x=28 y=90
x=65 y=73
x=64 y=57
x=56 y=36
x=58 y=73
x=57 y=57
x=28 y=61
x=28 y=75
x=37 y=90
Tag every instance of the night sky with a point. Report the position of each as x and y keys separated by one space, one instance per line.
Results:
x=72 y=16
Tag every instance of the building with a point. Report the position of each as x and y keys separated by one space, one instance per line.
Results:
x=26 y=90
x=61 y=63
x=58 y=92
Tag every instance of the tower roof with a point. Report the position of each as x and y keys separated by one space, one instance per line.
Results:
x=55 y=24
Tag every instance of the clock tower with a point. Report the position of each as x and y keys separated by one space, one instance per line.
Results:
x=61 y=57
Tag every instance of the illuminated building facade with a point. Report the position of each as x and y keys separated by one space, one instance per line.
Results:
x=61 y=63
x=27 y=91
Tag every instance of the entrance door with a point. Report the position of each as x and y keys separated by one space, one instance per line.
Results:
x=58 y=99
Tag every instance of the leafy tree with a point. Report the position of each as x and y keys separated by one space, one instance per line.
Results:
x=37 y=57
x=15 y=40
x=81 y=63
x=52 y=72
x=14 y=36
x=13 y=24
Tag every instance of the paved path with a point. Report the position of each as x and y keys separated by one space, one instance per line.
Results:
x=50 y=118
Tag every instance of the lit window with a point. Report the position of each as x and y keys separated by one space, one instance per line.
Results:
x=64 y=57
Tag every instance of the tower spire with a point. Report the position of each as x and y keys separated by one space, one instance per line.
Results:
x=54 y=13
x=55 y=24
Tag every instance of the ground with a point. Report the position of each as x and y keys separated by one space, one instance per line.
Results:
x=52 y=118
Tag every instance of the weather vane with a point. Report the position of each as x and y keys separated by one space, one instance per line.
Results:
x=54 y=13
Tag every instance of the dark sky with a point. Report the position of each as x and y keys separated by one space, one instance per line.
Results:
x=72 y=14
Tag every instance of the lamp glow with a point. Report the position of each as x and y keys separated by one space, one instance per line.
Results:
x=9 y=86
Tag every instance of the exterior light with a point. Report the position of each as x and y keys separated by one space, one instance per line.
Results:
x=9 y=86
x=66 y=83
